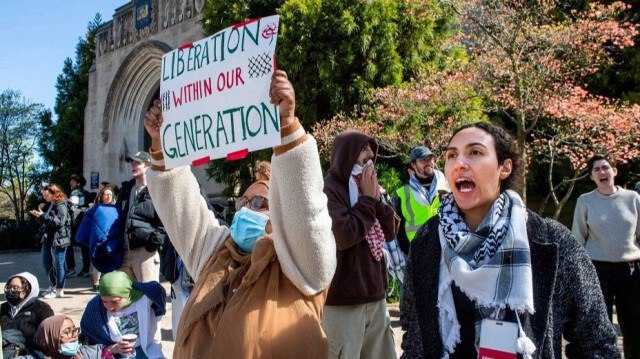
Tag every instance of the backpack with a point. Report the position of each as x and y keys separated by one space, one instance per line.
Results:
x=76 y=214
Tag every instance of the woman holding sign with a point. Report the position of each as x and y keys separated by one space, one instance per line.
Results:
x=260 y=284
x=489 y=278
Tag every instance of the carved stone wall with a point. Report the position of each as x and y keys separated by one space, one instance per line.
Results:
x=126 y=76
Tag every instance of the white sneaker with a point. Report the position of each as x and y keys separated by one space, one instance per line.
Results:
x=50 y=295
x=48 y=291
x=60 y=294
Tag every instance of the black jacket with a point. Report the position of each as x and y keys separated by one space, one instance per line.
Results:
x=566 y=294
x=142 y=226
x=27 y=320
x=57 y=223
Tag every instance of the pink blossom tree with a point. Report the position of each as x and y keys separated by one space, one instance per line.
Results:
x=529 y=56
x=422 y=112
x=579 y=126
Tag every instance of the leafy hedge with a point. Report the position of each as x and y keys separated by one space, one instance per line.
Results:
x=23 y=237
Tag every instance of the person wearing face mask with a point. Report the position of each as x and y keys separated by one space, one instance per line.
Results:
x=57 y=338
x=123 y=308
x=22 y=313
x=606 y=222
x=355 y=315
x=260 y=285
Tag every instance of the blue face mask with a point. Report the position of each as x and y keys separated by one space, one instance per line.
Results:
x=69 y=349
x=247 y=227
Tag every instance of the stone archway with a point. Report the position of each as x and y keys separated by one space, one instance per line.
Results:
x=132 y=90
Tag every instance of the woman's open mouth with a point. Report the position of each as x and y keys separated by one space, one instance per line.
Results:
x=465 y=185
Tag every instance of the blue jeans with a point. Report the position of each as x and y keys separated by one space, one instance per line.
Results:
x=53 y=260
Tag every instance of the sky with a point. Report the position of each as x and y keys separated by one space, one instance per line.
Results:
x=37 y=36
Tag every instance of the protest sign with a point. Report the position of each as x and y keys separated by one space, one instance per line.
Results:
x=215 y=94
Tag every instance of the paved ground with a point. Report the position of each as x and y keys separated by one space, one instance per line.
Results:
x=78 y=293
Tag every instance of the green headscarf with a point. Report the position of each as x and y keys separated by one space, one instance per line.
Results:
x=118 y=284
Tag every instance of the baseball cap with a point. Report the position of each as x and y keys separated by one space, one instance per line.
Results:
x=140 y=156
x=420 y=153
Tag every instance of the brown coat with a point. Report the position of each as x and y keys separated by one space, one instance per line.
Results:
x=359 y=278
x=243 y=306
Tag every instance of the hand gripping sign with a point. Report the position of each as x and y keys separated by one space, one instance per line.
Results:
x=215 y=95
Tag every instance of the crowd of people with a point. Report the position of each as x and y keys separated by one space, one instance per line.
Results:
x=302 y=269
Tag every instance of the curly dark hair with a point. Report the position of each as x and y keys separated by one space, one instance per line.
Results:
x=23 y=282
x=595 y=158
x=506 y=148
x=79 y=179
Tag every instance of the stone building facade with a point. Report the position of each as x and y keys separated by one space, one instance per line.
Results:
x=125 y=79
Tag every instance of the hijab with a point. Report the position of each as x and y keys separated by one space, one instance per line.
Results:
x=118 y=284
x=48 y=337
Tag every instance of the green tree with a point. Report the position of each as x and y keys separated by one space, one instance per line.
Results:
x=531 y=55
x=61 y=143
x=620 y=79
x=337 y=52
x=19 y=131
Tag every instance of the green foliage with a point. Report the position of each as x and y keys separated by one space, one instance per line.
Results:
x=341 y=50
x=388 y=177
x=220 y=14
x=19 y=131
x=19 y=237
x=621 y=79
x=336 y=52
x=61 y=143
x=394 y=289
x=236 y=175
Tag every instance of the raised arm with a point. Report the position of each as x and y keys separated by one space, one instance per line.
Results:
x=301 y=224
x=193 y=229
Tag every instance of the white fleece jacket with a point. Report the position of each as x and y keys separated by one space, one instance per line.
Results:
x=302 y=234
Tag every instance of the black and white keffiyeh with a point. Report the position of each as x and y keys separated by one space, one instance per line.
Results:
x=491 y=266
x=424 y=196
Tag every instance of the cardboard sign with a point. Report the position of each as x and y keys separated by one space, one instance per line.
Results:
x=215 y=95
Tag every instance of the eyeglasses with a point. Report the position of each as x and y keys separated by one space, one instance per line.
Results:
x=256 y=203
x=14 y=288
x=70 y=333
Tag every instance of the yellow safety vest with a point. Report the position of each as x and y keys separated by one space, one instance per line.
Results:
x=415 y=213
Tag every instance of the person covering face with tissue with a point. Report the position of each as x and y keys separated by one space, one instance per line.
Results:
x=355 y=315
x=488 y=278
x=259 y=285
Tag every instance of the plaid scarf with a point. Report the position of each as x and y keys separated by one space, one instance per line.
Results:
x=491 y=266
x=375 y=235
x=426 y=196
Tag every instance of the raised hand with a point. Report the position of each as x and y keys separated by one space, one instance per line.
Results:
x=282 y=93
x=152 y=123
x=369 y=182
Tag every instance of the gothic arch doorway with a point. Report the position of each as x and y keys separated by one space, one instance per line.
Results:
x=135 y=86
